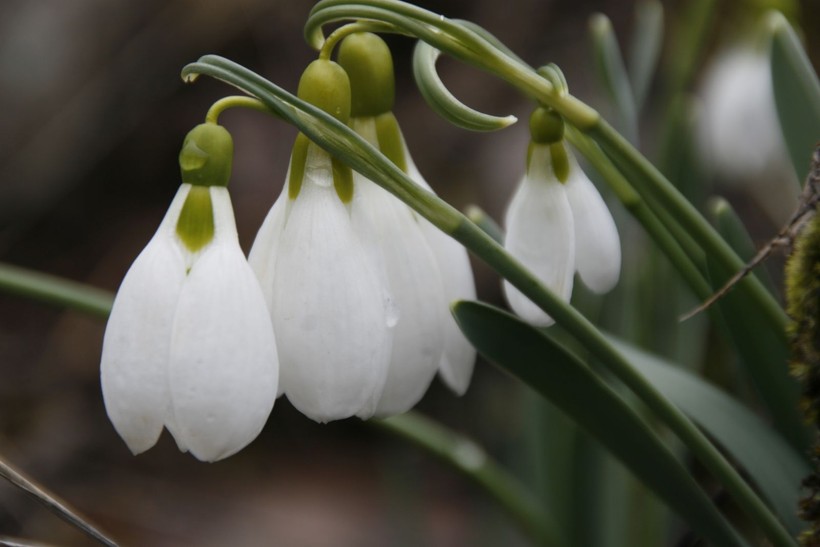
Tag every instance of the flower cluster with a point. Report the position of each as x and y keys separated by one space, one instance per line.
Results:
x=352 y=282
x=557 y=222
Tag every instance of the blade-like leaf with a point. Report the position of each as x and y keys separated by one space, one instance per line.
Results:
x=796 y=93
x=647 y=39
x=612 y=72
x=535 y=359
x=774 y=466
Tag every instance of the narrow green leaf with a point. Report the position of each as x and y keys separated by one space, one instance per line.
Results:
x=536 y=360
x=796 y=93
x=774 y=466
x=612 y=72
x=763 y=354
x=647 y=39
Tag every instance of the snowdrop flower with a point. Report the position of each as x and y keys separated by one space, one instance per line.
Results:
x=330 y=309
x=189 y=344
x=557 y=222
x=739 y=131
x=424 y=268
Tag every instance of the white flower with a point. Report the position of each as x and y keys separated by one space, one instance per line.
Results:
x=330 y=310
x=189 y=343
x=394 y=235
x=740 y=132
x=556 y=228
x=458 y=358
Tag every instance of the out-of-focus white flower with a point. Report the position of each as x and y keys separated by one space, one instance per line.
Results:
x=739 y=134
x=189 y=344
x=425 y=269
x=330 y=309
x=557 y=223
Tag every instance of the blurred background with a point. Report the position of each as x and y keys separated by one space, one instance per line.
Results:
x=93 y=115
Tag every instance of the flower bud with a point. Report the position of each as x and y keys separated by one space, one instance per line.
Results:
x=369 y=64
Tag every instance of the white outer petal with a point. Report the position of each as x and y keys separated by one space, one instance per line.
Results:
x=540 y=235
x=264 y=250
x=597 y=246
x=458 y=357
x=136 y=346
x=329 y=310
x=388 y=226
x=224 y=365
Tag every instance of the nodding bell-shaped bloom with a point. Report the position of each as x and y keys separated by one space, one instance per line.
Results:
x=189 y=344
x=557 y=223
x=424 y=268
x=330 y=309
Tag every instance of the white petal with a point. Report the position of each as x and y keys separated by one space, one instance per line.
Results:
x=540 y=235
x=597 y=247
x=224 y=365
x=264 y=250
x=329 y=309
x=389 y=227
x=136 y=347
x=458 y=358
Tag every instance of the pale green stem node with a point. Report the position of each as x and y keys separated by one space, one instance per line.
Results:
x=369 y=65
x=206 y=157
x=546 y=126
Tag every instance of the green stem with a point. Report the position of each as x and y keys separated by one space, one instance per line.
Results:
x=55 y=290
x=235 y=101
x=665 y=241
x=52 y=502
x=352 y=28
x=470 y=459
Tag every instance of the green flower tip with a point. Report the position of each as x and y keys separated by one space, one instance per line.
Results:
x=325 y=84
x=207 y=156
x=195 y=226
x=369 y=64
x=546 y=126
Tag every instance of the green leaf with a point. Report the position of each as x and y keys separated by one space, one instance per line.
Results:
x=536 y=360
x=774 y=466
x=647 y=39
x=763 y=354
x=796 y=93
x=611 y=70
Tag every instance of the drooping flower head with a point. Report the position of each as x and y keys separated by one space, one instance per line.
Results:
x=424 y=269
x=189 y=345
x=557 y=222
x=330 y=309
